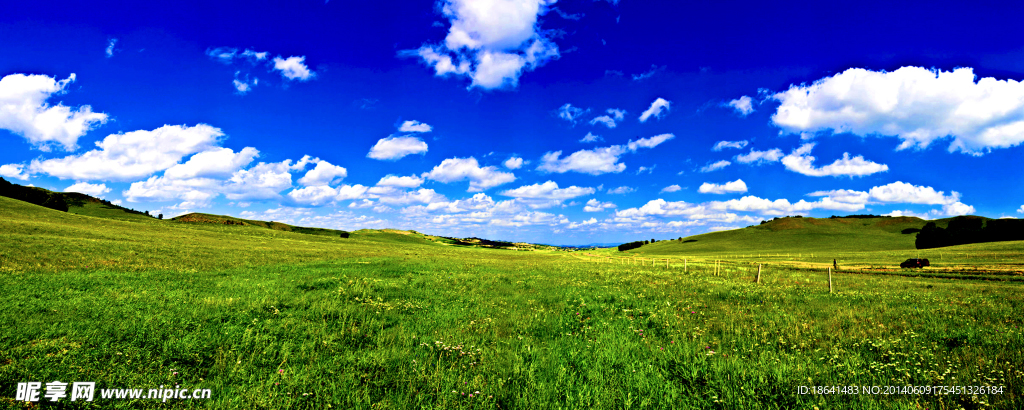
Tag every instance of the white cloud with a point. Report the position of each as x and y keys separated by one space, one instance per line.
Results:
x=569 y=113
x=743 y=105
x=594 y=162
x=198 y=192
x=24 y=111
x=616 y=113
x=760 y=157
x=590 y=137
x=957 y=209
x=323 y=174
x=14 y=171
x=715 y=166
x=648 y=170
x=649 y=142
x=720 y=145
x=213 y=163
x=490 y=41
x=916 y=105
x=547 y=194
x=401 y=181
x=513 y=163
x=737 y=186
x=1020 y=210
x=110 y=47
x=480 y=178
x=621 y=190
x=293 y=68
x=605 y=120
x=394 y=196
x=132 y=155
x=589 y=222
x=907 y=213
x=88 y=189
x=610 y=120
x=319 y=195
x=658 y=108
x=801 y=162
x=263 y=181
x=415 y=126
x=896 y=192
x=593 y=205
x=672 y=188
x=903 y=192
x=393 y=148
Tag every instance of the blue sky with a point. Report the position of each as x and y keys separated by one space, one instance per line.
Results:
x=563 y=122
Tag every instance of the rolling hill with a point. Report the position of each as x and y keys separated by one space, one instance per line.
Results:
x=797 y=234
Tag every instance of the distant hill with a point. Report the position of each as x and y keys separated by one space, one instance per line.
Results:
x=277 y=226
x=797 y=234
x=72 y=202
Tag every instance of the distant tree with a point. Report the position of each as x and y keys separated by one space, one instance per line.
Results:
x=161 y=216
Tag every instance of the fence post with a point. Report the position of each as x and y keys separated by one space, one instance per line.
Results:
x=829 y=280
x=759 y=273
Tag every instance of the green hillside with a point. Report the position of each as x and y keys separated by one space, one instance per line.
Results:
x=796 y=235
x=277 y=226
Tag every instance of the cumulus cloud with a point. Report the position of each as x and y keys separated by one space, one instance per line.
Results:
x=916 y=105
x=649 y=142
x=743 y=105
x=393 y=148
x=590 y=137
x=263 y=181
x=903 y=192
x=415 y=126
x=801 y=162
x=14 y=171
x=897 y=192
x=458 y=169
x=760 y=157
x=593 y=205
x=213 y=163
x=1020 y=210
x=110 y=47
x=324 y=173
x=720 y=145
x=610 y=120
x=490 y=41
x=293 y=68
x=132 y=155
x=658 y=109
x=513 y=163
x=672 y=188
x=621 y=190
x=594 y=162
x=24 y=111
x=737 y=186
x=88 y=189
x=715 y=166
x=547 y=194
x=401 y=181
x=319 y=195
x=569 y=113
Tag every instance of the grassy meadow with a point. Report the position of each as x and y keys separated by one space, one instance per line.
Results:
x=271 y=319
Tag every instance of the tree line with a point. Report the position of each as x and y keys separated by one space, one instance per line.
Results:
x=969 y=229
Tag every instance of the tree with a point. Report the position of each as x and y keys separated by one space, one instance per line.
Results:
x=161 y=216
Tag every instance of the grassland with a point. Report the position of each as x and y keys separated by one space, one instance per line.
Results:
x=273 y=319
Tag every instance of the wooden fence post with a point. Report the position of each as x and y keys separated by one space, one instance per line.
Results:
x=759 y=273
x=830 y=280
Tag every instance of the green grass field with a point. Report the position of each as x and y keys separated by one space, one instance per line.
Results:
x=272 y=319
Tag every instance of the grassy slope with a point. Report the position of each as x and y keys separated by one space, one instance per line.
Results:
x=46 y=240
x=799 y=235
